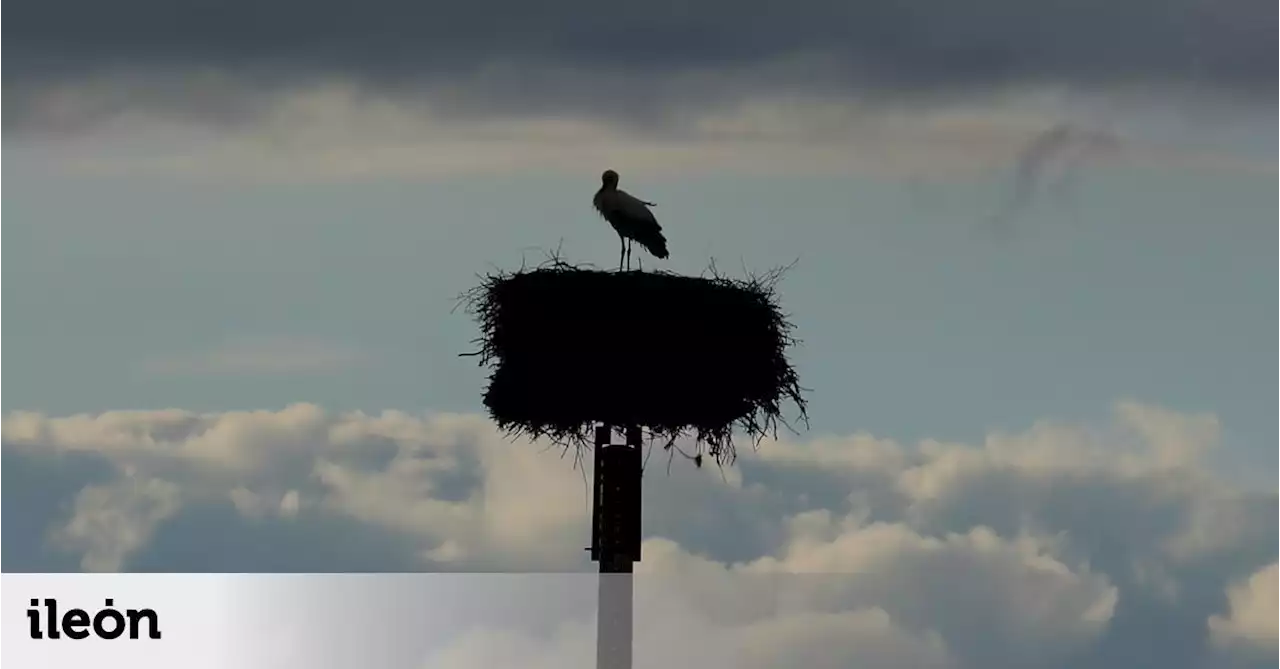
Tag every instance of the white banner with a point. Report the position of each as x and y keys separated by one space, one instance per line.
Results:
x=420 y=621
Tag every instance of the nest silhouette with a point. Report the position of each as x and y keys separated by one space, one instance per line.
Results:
x=679 y=356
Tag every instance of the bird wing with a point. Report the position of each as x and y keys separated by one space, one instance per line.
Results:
x=634 y=208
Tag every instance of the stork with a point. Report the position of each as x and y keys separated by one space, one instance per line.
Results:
x=630 y=218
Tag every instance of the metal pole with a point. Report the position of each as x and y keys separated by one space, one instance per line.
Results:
x=615 y=543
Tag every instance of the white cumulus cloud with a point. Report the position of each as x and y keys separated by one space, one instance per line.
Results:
x=1058 y=546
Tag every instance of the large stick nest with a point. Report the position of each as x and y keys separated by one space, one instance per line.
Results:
x=678 y=356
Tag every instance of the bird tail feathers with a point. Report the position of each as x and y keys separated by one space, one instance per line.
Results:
x=654 y=242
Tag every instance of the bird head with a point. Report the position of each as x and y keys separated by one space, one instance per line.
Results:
x=609 y=179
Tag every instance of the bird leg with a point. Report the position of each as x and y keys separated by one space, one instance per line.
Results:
x=622 y=252
x=628 y=255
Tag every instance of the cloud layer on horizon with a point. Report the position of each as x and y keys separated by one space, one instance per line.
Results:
x=1098 y=546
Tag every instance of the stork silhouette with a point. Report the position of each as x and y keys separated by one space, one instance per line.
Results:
x=630 y=218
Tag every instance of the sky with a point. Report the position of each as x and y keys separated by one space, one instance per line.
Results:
x=1032 y=284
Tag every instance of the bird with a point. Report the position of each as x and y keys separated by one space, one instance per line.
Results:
x=630 y=218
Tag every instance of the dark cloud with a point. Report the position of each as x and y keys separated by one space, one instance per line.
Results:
x=633 y=58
